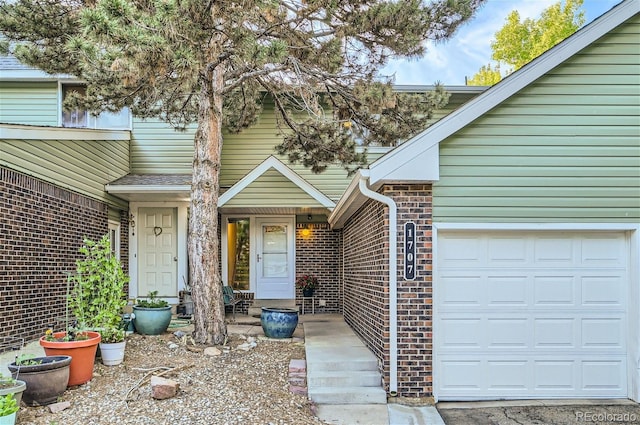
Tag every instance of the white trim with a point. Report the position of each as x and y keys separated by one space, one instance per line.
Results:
x=31 y=74
x=632 y=231
x=113 y=225
x=537 y=226
x=275 y=163
x=475 y=108
x=224 y=251
x=117 y=188
x=16 y=131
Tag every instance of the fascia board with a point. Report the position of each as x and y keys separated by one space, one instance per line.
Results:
x=350 y=201
x=17 y=132
x=458 y=119
x=147 y=189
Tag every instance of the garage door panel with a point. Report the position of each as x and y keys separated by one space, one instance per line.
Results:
x=462 y=333
x=609 y=375
x=554 y=374
x=554 y=252
x=603 y=333
x=462 y=290
x=603 y=250
x=555 y=333
x=539 y=314
x=507 y=333
x=507 y=290
x=554 y=290
x=604 y=290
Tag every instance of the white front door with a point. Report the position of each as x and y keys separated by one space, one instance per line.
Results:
x=158 y=252
x=275 y=258
x=530 y=315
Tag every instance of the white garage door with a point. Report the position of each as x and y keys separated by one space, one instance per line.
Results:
x=530 y=315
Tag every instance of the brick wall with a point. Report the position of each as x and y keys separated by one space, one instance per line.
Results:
x=366 y=278
x=415 y=347
x=319 y=253
x=366 y=286
x=41 y=229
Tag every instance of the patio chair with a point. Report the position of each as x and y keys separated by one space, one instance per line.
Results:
x=230 y=299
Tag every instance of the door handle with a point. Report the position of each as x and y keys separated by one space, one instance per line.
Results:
x=258 y=258
x=175 y=258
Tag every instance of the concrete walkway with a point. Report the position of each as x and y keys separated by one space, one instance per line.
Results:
x=328 y=338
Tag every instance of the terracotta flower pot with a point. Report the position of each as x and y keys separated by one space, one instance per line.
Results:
x=83 y=354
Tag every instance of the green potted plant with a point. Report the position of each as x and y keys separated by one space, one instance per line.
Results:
x=96 y=300
x=151 y=316
x=308 y=283
x=112 y=345
x=10 y=396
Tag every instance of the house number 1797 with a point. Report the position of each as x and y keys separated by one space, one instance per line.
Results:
x=409 y=250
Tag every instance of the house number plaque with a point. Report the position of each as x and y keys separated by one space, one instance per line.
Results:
x=409 y=250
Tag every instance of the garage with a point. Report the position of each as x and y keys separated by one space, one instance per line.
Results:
x=530 y=314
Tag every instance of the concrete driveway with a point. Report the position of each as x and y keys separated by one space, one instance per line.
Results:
x=541 y=412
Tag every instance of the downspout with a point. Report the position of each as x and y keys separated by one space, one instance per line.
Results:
x=393 y=277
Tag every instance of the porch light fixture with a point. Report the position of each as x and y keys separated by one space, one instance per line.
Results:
x=132 y=224
x=306 y=231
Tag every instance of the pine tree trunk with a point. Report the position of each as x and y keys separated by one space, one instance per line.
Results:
x=206 y=287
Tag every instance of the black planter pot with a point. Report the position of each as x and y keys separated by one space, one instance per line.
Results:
x=307 y=292
x=45 y=381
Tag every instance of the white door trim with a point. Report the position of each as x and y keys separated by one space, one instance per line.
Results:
x=253 y=219
x=182 y=229
x=632 y=232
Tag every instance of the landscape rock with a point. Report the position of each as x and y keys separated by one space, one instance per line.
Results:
x=163 y=388
x=59 y=407
x=212 y=351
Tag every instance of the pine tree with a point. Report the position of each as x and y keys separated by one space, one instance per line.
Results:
x=212 y=63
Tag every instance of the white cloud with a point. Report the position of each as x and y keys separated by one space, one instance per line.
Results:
x=470 y=48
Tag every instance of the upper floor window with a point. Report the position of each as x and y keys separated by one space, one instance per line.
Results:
x=80 y=118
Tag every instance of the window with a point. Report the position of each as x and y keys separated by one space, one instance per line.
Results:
x=76 y=117
x=238 y=253
x=114 y=238
x=79 y=118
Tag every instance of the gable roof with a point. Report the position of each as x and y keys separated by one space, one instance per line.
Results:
x=397 y=164
x=417 y=160
x=274 y=163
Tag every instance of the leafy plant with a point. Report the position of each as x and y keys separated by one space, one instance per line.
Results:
x=152 y=302
x=96 y=298
x=27 y=360
x=112 y=335
x=6 y=381
x=8 y=405
x=307 y=281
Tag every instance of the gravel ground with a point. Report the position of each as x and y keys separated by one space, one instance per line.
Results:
x=236 y=387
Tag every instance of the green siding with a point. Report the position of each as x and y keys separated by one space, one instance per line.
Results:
x=566 y=148
x=29 y=103
x=81 y=166
x=274 y=190
x=156 y=148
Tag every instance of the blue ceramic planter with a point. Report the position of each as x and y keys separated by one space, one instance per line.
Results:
x=151 y=321
x=278 y=322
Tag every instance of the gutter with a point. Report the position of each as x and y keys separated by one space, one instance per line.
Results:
x=393 y=277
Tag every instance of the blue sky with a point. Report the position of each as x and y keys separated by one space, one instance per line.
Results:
x=470 y=48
